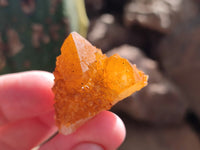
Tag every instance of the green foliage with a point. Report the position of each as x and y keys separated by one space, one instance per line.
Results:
x=31 y=32
x=75 y=11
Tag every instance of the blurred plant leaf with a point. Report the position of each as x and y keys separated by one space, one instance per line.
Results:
x=32 y=32
x=75 y=11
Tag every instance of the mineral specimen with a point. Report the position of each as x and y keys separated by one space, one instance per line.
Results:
x=87 y=82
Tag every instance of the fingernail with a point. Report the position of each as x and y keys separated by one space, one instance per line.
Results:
x=88 y=146
x=49 y=76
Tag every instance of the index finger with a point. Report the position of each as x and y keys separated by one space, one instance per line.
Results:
x=25 y=95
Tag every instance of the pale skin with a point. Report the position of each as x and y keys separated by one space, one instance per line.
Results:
x=27 y=118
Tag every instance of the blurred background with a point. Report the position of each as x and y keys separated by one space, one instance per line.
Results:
x=162 y=37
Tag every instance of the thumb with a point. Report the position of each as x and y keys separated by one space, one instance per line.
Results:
x=105 y=131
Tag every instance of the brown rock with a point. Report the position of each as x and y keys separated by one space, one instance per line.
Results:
x=161 y=101
x=106 y=33
x=159 y=15
x=141 y=137
x=93 y=7
x=179 y=54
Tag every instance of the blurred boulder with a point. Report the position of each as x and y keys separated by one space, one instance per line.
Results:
x=106 y=32
x=160 y=102
x=179 y=54
x=94 y=7
x=143 y=137
x=159 y=15
x=115 y=6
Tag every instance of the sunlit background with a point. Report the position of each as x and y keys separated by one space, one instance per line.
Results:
x=162 y=37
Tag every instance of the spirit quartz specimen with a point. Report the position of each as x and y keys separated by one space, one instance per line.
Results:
x=87 y=82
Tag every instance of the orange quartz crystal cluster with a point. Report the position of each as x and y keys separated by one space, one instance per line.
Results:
x=87 y=82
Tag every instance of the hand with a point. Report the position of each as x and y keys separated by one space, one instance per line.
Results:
x=27 y=118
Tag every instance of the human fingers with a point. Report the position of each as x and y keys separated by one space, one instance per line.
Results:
x=27 y=133
x=25 y=95
x=105 y=131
